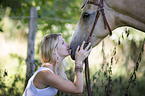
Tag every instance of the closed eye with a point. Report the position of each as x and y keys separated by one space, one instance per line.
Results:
x=86 y=15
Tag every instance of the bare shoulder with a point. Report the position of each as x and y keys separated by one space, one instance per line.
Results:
x=43 y=73
x=47 y=78
x=39 y=80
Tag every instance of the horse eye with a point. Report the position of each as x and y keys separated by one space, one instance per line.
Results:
x=86 y=15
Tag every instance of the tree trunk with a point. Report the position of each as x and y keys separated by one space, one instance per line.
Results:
x=31 y=39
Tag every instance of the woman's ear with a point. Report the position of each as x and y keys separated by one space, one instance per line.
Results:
x=54 y=51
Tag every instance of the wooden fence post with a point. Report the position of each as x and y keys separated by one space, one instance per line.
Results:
x=31 y=39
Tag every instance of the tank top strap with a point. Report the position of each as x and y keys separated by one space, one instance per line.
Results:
x=44 y=68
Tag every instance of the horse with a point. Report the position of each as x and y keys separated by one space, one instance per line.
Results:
x=118 y=13
x=115 y=13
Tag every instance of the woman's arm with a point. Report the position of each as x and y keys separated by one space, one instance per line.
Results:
x=61 y=84
x=53 y=80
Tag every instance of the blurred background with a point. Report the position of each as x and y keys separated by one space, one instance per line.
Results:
x=117 y=63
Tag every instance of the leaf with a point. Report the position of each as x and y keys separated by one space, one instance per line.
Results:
x=43 y=2
x=1 y=30
x=19 y=26
x=119 y=42
x=5 y=73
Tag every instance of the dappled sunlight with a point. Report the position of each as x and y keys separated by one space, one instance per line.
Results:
x=12 y=46
x=8 y=61
x=13 y=53
x=95 y=57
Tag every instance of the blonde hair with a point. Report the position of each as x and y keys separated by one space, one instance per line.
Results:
x=48 y=45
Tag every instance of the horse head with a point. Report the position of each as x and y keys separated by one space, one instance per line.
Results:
x=118 y=13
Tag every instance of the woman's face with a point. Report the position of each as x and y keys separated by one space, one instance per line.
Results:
x=63 y=48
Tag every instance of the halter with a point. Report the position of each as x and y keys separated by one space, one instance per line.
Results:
x=106 y=24
x=99 y=11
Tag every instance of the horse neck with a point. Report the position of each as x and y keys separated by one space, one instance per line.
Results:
x=126 y=13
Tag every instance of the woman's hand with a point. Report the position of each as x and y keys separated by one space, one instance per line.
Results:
x=81 y=54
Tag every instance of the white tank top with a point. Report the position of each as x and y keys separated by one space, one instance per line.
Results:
x=31 y=90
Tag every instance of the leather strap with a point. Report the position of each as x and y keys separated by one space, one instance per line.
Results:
x=99 y=11
x=106 y=24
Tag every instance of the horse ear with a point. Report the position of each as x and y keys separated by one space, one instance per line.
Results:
x=83 y=4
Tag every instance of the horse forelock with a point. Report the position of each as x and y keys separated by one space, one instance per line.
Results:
x=85 y=2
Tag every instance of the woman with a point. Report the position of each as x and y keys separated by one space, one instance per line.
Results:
x=50 y=78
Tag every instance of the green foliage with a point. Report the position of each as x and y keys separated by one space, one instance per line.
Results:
x=14 y=88
x=53 y=15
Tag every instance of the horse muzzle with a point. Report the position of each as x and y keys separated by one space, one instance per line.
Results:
x=73 y=49
x=73 y=53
